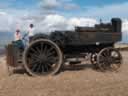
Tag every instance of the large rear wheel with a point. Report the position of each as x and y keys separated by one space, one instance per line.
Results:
x=43 y=57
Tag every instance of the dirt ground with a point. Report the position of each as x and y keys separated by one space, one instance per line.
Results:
x=84 y=81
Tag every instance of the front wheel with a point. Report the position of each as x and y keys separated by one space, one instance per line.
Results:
x=109 y=59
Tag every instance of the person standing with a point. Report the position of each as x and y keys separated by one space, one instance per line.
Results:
x=31 y=32
x=28 y=35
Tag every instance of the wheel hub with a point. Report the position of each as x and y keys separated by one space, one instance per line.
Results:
x=43 y=58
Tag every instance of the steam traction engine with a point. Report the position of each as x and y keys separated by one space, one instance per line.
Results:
x=46 y=54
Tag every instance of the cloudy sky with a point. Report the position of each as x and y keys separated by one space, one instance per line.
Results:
x=48 y=15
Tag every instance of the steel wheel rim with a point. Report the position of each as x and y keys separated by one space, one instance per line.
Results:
x=44 y=59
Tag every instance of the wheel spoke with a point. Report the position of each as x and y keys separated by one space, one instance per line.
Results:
x=34 y=56
x=42 y=45
x=38 y=50
x=46 y=67
x=43 y=69
x=34 y=61
x=51 y=54
x=105 y=65
x=105 y=54
x=48 y=51
x=38 y=68
x=45 y=49
x=34 y=64
x=32 y=49
x=34 y=67
x=102 y=59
